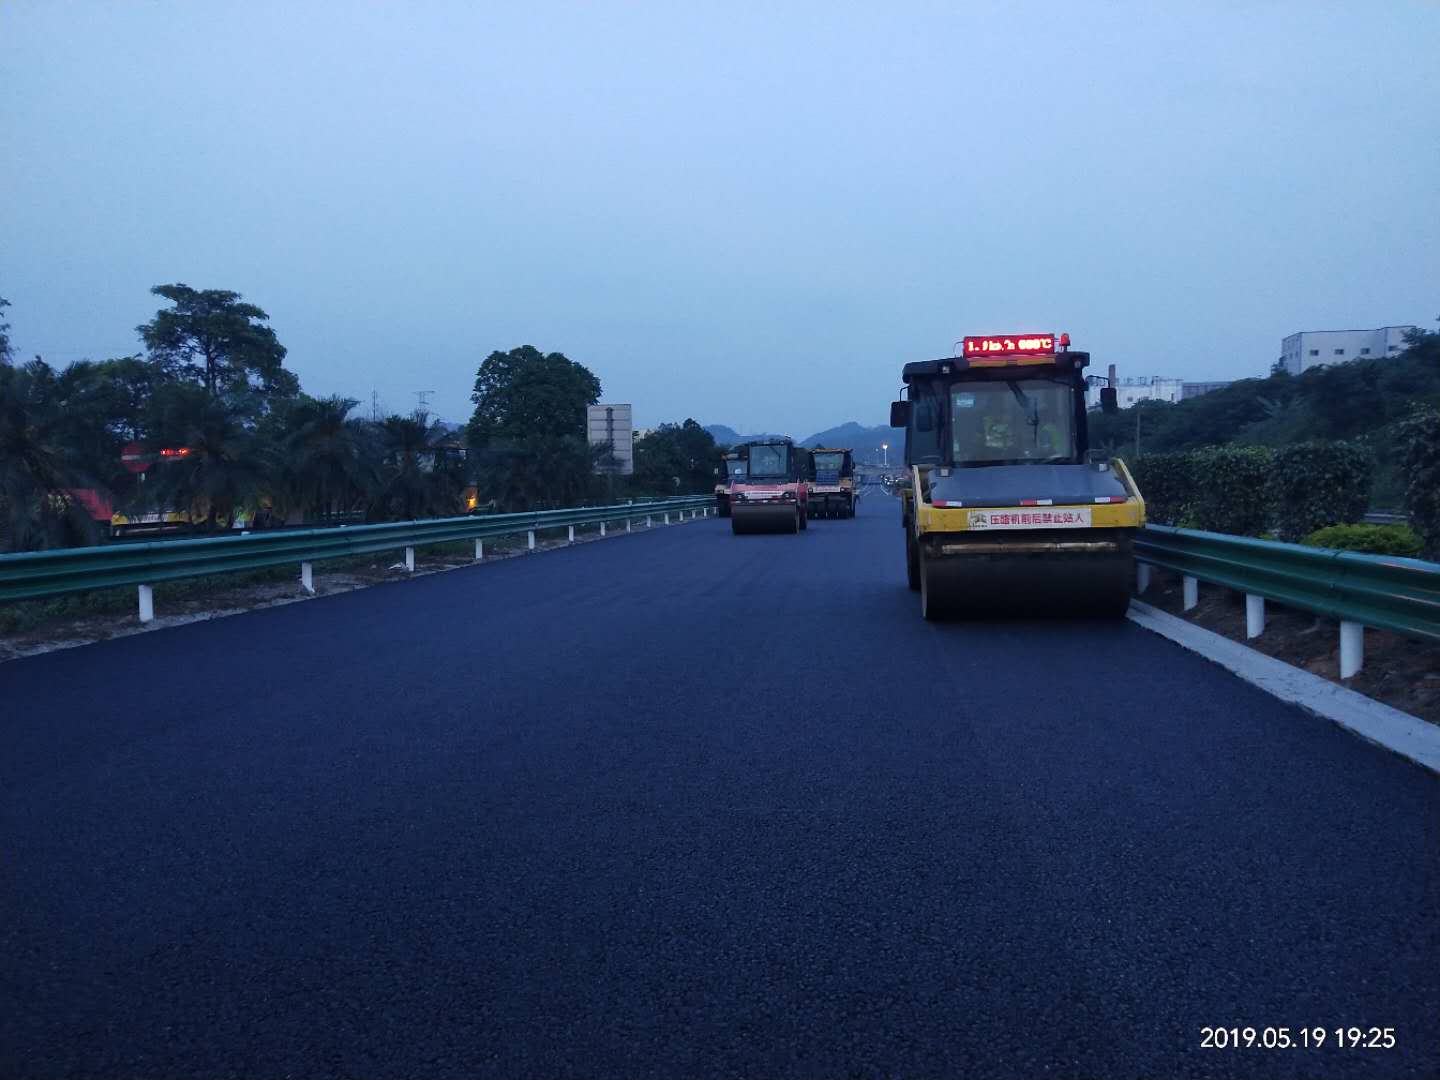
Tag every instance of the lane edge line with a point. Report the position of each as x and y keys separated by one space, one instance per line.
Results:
x=1399 y=732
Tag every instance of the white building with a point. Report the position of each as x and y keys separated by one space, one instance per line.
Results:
x=1143 y=388
x=1312 y=348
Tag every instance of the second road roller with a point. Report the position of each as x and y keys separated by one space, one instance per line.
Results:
x=1006 y=511
x=772 y=495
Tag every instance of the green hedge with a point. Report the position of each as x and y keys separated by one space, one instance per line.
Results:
x=1420 y=450
x=1315 y=484
x=1371 y=539
x=1167 y=484
x=1231 y=489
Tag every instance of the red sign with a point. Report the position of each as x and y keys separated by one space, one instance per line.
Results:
x=134 y=458
x=1016 y=345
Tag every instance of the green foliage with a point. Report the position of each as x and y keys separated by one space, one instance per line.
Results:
x=1364 y=399
x=1419 y=440
x=38 y=464
x=1167 y=484
x=1318 y=483
x=1230 y=489
x=420 y=471
x=228 y=467
x=324 y=464
x=213 y=337
x=528 y=429
x=676 y=459
x=1372 y=539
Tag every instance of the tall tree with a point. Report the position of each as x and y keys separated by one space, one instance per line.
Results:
x=4 y=333
x=213 y=337
x=676 y=459
x=38 y=464
x=226 y=467
x=325 y=466
x=420 y=471
x=528 y=428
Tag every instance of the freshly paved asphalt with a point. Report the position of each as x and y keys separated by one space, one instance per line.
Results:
x=688 y=804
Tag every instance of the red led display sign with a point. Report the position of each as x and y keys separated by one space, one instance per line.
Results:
x=1016 y=345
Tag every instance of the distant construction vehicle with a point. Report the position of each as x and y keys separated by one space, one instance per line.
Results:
x=832 y=491
x=1004 y=511
x=772 y=494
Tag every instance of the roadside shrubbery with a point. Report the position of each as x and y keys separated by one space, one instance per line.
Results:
x=1370 y=539
x=1315 y=484
x=1167 y=482
x=1231 y=493
x=1420 y=447
x=1256 y=491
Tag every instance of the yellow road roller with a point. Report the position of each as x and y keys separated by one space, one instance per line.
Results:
x=1006 y=511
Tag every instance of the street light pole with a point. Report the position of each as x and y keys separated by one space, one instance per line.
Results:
x=885 y=450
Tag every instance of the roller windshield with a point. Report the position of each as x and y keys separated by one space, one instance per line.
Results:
x=736 y=469
x=829 y=462
x=1010 y=422
x=768 y=461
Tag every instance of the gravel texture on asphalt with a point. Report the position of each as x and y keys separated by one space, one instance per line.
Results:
x=685 y=804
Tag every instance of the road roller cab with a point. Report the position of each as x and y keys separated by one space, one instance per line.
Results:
x=771 y=495
x=1006 y=511
x=732 y=467
x=832 y=489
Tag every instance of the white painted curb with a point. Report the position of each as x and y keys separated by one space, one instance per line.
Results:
x=1406 y=735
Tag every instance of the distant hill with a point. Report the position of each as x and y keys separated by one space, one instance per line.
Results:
x=728 y=436
x=864 y=441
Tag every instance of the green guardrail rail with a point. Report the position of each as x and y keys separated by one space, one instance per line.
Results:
x=34 y=574
x=1381 y=591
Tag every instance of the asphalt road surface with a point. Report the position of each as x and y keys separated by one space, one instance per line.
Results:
x=685 y=804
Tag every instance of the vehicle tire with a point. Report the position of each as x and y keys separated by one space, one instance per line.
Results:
x=932 y=606
x=912 y=562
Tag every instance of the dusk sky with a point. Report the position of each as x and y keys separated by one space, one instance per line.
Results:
x=749 y=214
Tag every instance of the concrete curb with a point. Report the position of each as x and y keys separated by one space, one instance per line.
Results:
x=1397 y=731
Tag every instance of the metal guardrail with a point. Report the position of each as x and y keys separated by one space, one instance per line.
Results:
x=1381 y=591
x=35 y=574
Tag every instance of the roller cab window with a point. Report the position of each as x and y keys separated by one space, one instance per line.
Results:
x=769 y=462
x=1012 y=422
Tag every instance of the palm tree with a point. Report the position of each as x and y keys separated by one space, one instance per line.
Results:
x=420 y=472
x=326 y=469
x=220 y=465
x=37 y=466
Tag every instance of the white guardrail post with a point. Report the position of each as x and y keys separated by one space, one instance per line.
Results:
x=307 y=578
x=570 y=538
x=410 y=559
x=479 y=550
x=1192 y=592
x=1352 y=648
x=147 y=603
x=1254 y=615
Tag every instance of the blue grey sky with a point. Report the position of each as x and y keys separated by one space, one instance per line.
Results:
x=750 y=214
